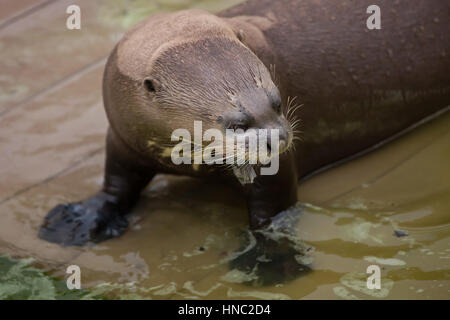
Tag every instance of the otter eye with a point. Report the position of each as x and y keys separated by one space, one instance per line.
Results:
x=148 y=84
x=275 y=99
x=236 y=126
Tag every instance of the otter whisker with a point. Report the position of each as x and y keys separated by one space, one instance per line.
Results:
x=290 y=102
x=294 y=109
x=294 y=123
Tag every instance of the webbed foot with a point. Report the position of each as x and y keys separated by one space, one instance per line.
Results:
x=76 y=224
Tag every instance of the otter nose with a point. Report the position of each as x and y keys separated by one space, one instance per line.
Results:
x=282 y=145
x=282 y=139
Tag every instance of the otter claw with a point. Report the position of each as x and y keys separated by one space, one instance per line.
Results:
x=76 y=224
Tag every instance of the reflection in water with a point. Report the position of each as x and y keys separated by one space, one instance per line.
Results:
x=271 y=256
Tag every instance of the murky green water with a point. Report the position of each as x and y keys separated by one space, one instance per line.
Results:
x=19 y=280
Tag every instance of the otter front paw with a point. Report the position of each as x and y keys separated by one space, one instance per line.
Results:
x=76 y=224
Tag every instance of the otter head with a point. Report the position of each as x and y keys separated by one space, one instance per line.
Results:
x=189 y=66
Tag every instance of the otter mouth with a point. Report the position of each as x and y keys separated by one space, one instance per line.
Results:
x=246 y=174
x=248 y=153
x=248 y=171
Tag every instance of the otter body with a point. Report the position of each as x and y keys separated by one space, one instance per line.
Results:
x=357 y=86
x=250 y=67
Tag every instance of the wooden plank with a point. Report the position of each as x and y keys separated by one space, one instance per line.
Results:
x=13 y=10
x=50 y=133
x=38 y=52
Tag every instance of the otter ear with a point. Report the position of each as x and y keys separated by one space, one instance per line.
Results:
x=151 y=85
x=249 y=31
x=240 y=34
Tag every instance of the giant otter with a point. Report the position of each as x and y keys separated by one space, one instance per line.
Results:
x=250 y=67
